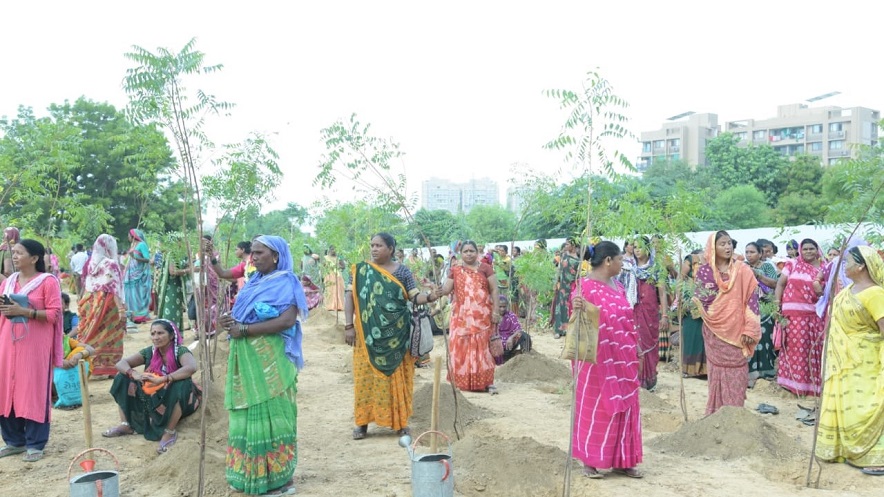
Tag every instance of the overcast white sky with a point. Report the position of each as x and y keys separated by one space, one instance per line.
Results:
x=458 y=84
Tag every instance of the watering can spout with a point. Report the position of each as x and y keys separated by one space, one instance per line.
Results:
x=88 y=465
x=405 y=442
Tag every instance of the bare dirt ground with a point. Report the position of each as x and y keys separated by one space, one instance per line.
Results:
x=513 y=444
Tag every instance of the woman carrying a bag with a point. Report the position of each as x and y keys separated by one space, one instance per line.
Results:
x=378 y=324
x=607 y=423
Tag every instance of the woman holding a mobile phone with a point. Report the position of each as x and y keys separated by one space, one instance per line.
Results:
x=25 y=402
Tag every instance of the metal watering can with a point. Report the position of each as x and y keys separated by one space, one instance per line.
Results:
x=95 y=483
x=431 y=474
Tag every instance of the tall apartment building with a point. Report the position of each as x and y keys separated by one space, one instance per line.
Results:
x=515 y=198
x=458 y=197
x=684 y=138
x=830 y=133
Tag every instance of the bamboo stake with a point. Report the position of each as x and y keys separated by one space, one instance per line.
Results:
x=434 y=416
x=87 y=411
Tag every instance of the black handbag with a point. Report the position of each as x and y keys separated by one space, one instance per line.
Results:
x=421 y=331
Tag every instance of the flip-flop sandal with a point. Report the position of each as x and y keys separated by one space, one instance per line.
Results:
x=492 y=390
x=767 y=409
x=33 y=455
x=808 y=409
x=802 y=413
x=631 y=472
x=592 y=473
x=876 y=471
x=809 y=421
x=287 y=489
x=8 y=450
x=360 y=432
x=117 y=431
x=164 y=446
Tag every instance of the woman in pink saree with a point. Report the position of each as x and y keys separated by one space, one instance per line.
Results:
x=607 y=423
x=798 y=289
x=728 y=303
x=651 y=303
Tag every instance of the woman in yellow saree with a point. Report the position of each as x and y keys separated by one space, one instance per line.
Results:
x=851 y=423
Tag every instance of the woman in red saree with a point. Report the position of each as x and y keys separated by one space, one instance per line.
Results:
x=798 y=289
x=102 y=308
x=473 y=319
x=607 y=422
x=728 y=303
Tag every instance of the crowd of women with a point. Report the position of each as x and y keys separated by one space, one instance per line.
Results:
x=742 y=317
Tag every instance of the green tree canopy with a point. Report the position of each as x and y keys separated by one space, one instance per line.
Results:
x=730 y=164
x=802 y=201
x=739 y=207
x=491 y=223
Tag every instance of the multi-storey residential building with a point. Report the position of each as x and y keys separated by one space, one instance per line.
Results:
x=830 y=133
x=683 y=138
x=458 y=197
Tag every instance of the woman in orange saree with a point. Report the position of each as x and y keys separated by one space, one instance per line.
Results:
x=474 y=317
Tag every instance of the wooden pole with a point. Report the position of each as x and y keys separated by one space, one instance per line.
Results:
x=434 y=416
x=87 y=411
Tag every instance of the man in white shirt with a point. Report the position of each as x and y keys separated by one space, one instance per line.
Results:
x=78 y=261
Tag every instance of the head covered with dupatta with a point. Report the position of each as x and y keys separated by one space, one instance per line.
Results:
x=729 y=316
x=279 y=288
x=874 y=264
x=138 y=234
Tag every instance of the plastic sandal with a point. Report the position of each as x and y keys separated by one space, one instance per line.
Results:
x=33 y=455
x=164 y=446
x=767 y=409
x=360 y=432
x=630 y=472
x=287 y=489
x=118 y=431
x=876 y=471
x=8 y=450
x=590 y=472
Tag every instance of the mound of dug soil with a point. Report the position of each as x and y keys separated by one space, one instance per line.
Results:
x=731 y=433
x=652 y=402
x=533 y=367
x=467 y=412
x=511 y=467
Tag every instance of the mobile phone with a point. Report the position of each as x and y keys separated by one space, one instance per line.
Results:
x=7 y=300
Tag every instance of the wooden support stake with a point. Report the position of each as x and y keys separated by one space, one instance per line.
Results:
x=87 y=411
x=434 y=416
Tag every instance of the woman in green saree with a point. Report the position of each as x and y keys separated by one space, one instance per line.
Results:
x=262 y=373
x=170 y=301
x=568 y=266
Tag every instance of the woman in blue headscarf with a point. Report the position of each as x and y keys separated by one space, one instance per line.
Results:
x=137 y=279
x=262 y=373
